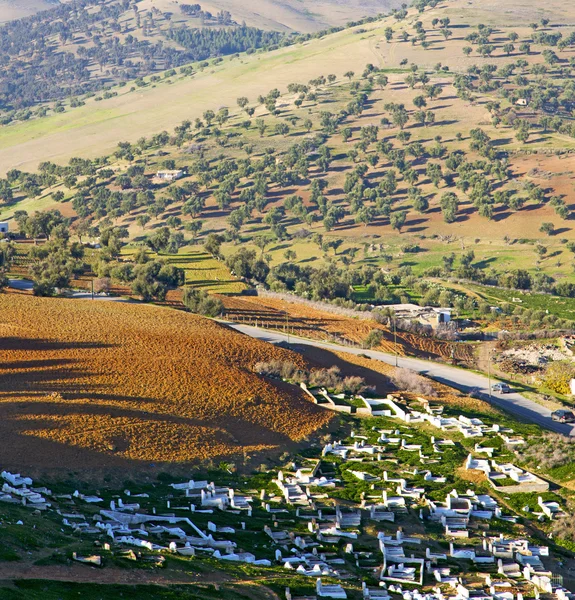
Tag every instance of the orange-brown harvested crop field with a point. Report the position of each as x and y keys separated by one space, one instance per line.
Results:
x=96 y=385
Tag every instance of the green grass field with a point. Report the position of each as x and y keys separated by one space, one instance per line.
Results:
x=562 y=307
x=95 y=129
x=202 y=270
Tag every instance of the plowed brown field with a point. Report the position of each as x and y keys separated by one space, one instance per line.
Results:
x=312 y=323
x=99 y=384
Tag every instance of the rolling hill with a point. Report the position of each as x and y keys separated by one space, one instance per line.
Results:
x=95 y=128
x=303 y=16
x=18 y=9
x=282 y=15
x=422 y=144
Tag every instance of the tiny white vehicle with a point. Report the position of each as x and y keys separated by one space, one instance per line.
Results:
x=500 y=388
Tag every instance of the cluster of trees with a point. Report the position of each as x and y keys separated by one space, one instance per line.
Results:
x=547 y=86
x=338 y=284
x=242 y=186
x=516 y=279
x=148 y=278
x=200 y=302
x=37 y=65
x=54 y=263
x=420 y=35
x=328 y=282
x=7 y=253
x=201 y=44
x=223 y=17
x=387 y=171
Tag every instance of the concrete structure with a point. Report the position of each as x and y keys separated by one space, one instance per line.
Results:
x=171 y=175
x=426 y=315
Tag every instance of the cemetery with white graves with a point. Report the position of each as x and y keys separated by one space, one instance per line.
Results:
x=413 y=500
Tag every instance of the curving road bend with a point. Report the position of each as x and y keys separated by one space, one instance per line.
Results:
x=460 y=379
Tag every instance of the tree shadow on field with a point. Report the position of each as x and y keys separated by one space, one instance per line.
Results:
x=44 y=345
x=440 y=107
x=561 y=230
x=501 y=141
x=27 y=443
x=483 y=264
x=278 y=194
x=38 y=377
x=47 y=377
x=501 y=215
x=447 y=122
x=34 y=364
x=531 y=207
x=326 y=359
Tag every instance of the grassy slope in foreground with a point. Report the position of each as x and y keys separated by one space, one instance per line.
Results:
x=96 y=128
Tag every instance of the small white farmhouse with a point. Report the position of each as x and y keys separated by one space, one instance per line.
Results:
x=170 y=175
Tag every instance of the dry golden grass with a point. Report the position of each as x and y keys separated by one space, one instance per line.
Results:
x=472 y=475
x=96 y=384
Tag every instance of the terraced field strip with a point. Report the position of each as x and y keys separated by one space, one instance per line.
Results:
x=305 y=321
x=202 y=270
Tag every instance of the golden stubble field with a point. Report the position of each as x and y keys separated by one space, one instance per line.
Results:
x=92 y=385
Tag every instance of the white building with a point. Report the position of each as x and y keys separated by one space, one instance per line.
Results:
x=171 y=175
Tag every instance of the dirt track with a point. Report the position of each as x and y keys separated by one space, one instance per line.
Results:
x=77 y=573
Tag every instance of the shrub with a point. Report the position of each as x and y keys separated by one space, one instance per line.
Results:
x=558 y=375
x=564 y=529
x=282 y=370
x=410 y=381
x=549 y=451
x=373 y=338
x=327 y=378
x=352 y=385
x=102 y=284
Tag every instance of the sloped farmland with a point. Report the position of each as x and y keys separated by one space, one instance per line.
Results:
x=92 y=384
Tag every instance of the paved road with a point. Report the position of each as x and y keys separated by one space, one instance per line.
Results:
x=460 y=379
x=26 y=285
x=88 y=296
x=20 y=284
